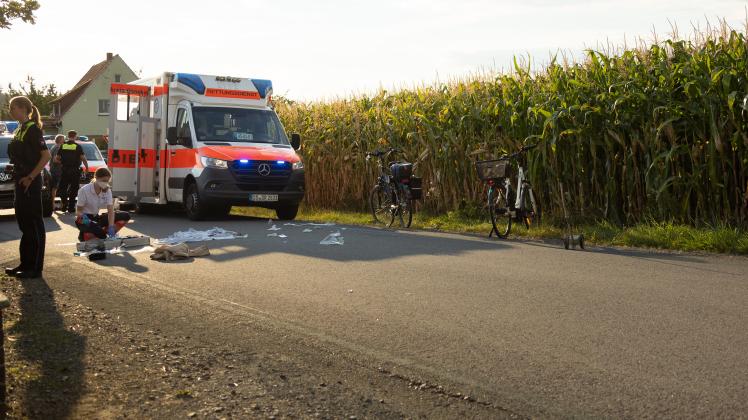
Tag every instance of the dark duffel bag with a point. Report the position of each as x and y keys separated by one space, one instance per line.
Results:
x=416 y=192
x=401 y=171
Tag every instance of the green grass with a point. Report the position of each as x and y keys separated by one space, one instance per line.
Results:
x=659 y=235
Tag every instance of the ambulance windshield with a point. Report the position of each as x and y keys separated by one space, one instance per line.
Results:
x=238 y=125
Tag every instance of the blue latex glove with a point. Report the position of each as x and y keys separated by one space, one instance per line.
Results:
x=111 y=232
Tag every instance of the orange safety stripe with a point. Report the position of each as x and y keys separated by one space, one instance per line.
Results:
x=228 y=93
x=160 y=90
x=179 y=158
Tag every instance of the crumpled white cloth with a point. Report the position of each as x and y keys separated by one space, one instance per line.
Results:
x=192 y=235
x=179 y=251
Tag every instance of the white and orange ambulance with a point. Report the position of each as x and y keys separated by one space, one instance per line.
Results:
x=207 y=142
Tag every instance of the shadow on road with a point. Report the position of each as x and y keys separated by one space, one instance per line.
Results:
x=124 y=260
x=9 y=227
x=361 y=243
x=54 y=354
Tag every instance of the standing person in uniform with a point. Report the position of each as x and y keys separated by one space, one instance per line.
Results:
x=28 y=153
x=55 y=167
x=71 y=155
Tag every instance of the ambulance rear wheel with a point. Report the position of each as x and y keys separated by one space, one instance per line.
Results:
x=193 y=204
x=287 y=211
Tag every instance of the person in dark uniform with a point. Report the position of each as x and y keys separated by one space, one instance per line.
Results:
x=28 y=154
x=55 y=167
x=71 y=155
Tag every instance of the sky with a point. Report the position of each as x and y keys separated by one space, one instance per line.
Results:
x=327 y=49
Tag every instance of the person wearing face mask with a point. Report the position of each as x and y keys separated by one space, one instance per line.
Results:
x=92 y=198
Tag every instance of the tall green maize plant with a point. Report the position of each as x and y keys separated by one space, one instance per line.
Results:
x=651 y=133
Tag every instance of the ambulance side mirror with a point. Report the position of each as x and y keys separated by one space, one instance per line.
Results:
x=171 y=136
x=296 y=140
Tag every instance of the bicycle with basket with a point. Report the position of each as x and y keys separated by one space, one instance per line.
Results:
x=396 y=189
x=505 y=204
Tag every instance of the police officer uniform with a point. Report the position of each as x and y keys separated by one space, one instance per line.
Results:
x=70 y=154
x=24 y=152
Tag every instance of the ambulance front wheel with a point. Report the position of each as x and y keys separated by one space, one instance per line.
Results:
x=193 y=204
x=287 y=211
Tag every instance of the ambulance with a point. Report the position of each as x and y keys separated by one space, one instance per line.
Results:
x=204 y=142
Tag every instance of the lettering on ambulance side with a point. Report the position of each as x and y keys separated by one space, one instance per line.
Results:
x=230 y=93
x=122 y=158
x=132 y=90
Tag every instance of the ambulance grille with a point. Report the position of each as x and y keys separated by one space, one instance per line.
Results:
x=248 y=175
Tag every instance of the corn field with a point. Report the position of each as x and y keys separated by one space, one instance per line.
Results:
x=650 y=133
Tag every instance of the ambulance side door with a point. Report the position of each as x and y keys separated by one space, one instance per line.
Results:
x=180 y=157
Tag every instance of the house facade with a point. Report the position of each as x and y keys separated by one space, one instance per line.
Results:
x=85 y=107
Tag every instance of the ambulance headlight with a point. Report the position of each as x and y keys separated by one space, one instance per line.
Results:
x=209 y=162
x=298 y=165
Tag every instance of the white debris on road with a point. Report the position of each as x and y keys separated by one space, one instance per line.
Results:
x=333 y=239
x=192 y=235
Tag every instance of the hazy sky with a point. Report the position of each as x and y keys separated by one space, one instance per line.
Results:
x=322 y=49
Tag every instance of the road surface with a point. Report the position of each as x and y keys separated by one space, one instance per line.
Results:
x=509 y=328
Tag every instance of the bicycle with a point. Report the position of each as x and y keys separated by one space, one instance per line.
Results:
x=504 y=205
x=395 y=192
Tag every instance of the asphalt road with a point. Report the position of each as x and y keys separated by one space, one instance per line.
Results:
x=524 y=328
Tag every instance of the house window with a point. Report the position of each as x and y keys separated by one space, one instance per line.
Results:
x=117 y=78
x=103 y=106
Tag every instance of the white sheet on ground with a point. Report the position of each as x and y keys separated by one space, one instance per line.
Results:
x=192 y=235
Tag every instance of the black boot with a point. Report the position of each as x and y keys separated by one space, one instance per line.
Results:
x=29 y=274
x=13 y=271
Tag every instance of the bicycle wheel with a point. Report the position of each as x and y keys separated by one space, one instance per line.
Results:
x=498 y=208
x=405 y=212
x=395 y=206
x=380 y=204
x=532 y=210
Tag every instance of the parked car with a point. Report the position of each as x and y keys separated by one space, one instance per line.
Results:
x=10 y=126
x=93 y=155
x=51 y=137
x=7 y=186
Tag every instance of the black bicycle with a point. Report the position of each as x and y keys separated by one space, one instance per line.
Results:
x=506 y=205
x=396 y=190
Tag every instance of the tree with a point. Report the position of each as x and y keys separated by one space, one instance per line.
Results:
x=41 y=97
x=17 y=9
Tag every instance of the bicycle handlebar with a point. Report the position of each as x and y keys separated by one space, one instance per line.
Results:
x=524 y=149
x=380 y=153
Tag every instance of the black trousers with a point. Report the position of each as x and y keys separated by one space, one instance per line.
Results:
x=69 y=186
x=28 y=208
x=100 y=223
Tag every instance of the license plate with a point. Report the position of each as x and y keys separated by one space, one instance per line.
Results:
x=263 y=197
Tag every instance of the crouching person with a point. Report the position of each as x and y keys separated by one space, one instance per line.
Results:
x=92 y=198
